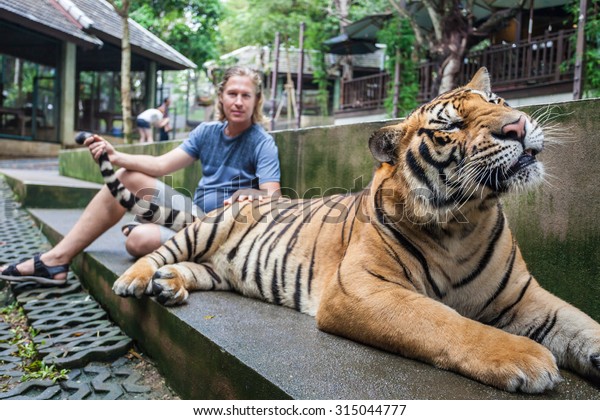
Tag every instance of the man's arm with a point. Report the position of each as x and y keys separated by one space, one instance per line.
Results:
x=271 y=188
x=154 y=166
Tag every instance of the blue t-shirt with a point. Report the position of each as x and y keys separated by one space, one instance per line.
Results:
x=230 y=163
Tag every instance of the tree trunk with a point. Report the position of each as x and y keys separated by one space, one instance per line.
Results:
x=451 y=64
x=123 y=11
x=453 y=34
x=126 y=80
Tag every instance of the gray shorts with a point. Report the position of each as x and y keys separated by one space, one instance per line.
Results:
x=165 y=196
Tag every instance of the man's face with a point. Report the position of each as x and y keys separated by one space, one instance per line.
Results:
x=238 y=99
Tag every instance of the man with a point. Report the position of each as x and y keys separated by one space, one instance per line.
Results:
x=235 y=152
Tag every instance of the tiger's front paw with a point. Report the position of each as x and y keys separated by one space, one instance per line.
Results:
x=520 y=364
x=136 y=281
x=169 y=286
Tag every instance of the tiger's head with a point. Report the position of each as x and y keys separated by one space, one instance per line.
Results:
x=461 y=148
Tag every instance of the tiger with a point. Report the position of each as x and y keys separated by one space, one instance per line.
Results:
x=421 y=263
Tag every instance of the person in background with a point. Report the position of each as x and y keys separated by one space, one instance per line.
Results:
x=153 y=117
x=163 y=134
x=237 y=157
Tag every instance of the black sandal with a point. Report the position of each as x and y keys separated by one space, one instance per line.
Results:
x=126 y=229
x=42 y=274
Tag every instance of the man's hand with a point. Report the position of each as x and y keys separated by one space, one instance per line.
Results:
x=249 y=194
x=97 y=145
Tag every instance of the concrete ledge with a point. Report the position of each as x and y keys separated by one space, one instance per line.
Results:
x=48 y=189
x=224 y=346
x=221 y=345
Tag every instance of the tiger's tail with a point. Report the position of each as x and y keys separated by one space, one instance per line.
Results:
x=146 y=210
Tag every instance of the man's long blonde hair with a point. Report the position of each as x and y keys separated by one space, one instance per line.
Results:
x=257 y=115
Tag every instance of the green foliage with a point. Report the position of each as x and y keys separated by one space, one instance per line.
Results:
x=39 y=370
x=255 y=22
x=319 y=29
x=22 y=338
x=360 y=9
x=189 y=26
x=398 y=36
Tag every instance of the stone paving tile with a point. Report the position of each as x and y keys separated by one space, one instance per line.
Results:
x=74 y=331
x=96 y=381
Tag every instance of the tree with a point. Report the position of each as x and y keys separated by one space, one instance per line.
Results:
x=399 y=39
x=122 y=8
x=454 y=32
x=591 y=55
x=189 y=26
x=255 y=22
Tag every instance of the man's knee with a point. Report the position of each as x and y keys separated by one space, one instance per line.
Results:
x=143 y=240
x=140 y=184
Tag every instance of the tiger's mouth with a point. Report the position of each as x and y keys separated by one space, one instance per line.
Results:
x=501 y=178
x=526 y=159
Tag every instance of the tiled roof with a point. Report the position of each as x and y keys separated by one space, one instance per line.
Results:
x=89 y=24
x=107 y=26
x=47 y=13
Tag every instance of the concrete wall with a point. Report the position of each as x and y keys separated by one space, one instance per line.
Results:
x=78 y=163
x=557 y=226
x=20 y=148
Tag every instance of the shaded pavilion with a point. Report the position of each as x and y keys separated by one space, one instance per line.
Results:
x=60 y=64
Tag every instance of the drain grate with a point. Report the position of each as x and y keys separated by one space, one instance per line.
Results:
x=19 y=237
x=93 y=382
x=73 y=330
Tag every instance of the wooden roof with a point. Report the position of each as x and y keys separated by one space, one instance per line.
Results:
x=92 y=25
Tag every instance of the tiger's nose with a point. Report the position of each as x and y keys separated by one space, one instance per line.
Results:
x=515 y=130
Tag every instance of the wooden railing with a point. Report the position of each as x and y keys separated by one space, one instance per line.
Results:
x=367 y=92
x=544 y=61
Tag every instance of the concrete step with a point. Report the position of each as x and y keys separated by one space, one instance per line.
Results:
x=224 y=346
x=48 y=189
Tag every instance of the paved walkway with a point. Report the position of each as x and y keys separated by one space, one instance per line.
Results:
x=44 y=164
x=73 y=331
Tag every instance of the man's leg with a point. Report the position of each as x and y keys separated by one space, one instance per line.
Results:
x=101 y=214
x=147 y=237
x=144 y=239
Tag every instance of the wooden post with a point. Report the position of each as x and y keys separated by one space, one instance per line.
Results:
x=396 y=84
x=530 y=27
x=560 y=47
x=529 y=58
x=577 y=85
x=300 y=72
x=274 y=82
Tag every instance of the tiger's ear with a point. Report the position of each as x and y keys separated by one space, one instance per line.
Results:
x=481 y=81
x=384 y=144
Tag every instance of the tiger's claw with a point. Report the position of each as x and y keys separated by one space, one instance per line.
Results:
x=136 y=281
x=169 y=287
